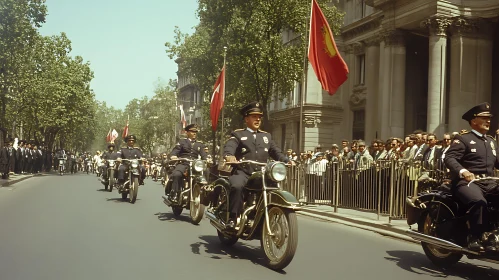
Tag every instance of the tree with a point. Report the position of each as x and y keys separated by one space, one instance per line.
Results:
x=260 y=67
x=19 y=20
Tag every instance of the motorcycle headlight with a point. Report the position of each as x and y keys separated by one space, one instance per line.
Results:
x=135 y=163
x=111 y=163
x=277 y=171
x=61 y=161
x=199 y=165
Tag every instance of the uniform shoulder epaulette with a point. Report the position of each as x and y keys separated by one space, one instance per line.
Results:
x=262 y=131
x=490 y=136
x=464 y=131
x=240 y=129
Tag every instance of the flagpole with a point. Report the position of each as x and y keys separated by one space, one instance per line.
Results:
x=301 y=147
x=223 y=108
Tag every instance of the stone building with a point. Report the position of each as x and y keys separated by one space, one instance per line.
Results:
x=414 y=64
x=191 y=99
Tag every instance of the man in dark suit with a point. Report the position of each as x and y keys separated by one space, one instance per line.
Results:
x=474 y=154
x=186 y=148
x=248 y=144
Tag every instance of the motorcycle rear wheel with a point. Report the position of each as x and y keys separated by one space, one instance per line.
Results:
x=438 y=256
x=177 y=210
x=281 y=247
x=196 y=207
x=225 y=240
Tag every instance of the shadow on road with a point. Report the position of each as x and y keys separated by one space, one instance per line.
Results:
x=119 y=199
x=102 y=190
x=169 y=216
x=418 y=263
x=211 y=246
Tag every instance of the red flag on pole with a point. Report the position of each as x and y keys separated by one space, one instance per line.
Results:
x=329 y=67
x=108 y=137
x=125 y=130
x=217 y=99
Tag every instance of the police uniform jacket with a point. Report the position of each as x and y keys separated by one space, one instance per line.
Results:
x=130 y=153
x=190 y=149
x=110 y=155
x=249 y=145
x=474 y=152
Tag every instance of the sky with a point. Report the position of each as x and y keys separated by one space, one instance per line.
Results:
x=123 y=40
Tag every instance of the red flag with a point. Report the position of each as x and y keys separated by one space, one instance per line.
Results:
x=125 y=130
x=217 y=99
x=182 y=117
x=108 y=137
x=329 y=67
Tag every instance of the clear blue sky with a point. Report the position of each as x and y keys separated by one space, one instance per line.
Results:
x=123 y=40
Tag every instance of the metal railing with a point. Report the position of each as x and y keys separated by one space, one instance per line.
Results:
x=379 y=187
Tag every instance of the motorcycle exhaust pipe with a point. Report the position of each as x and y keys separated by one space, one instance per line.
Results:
x=214 y=221
x=166 y=201
x=438 y=242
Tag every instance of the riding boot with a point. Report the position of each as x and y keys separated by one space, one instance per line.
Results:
x=490 y=243
x=474 y=244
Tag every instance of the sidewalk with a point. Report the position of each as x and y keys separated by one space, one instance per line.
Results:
x=16 y=178
x=359 y=219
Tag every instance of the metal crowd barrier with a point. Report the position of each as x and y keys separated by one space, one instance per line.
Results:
x=379 y=187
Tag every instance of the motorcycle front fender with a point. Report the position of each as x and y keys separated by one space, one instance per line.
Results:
x=283 y=199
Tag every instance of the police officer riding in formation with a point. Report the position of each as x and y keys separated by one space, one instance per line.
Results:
x=248 y=144
x=130 y=152
x=110 y=154
x=473 y=155
x=186 y=148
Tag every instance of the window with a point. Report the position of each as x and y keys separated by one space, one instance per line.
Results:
x=361 y=68
x=359 y=123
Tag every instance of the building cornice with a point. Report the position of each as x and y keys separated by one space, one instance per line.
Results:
x=365 y=25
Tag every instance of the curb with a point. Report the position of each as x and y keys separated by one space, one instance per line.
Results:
x=380 y=229
x=11 y=182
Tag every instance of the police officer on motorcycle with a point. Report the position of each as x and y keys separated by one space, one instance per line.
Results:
x=248 y=144
x=473 y=155
x=186 y=148
x=110 y=154
x=130 y=152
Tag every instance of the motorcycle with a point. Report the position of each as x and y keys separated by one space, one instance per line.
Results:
x=110 y=180
x=190 y=196
x=156 y=171
x=269 y=213
x=130 y=188
x=442 y=226
x=62 y=165
x=89 y=166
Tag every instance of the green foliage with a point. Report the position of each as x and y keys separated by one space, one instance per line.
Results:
x=259 y=66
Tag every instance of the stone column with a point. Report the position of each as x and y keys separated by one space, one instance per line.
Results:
x=393 y=89
x=437 y=74
x=372 y=87
x=471 y=67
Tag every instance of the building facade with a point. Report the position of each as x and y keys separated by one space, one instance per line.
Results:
x=414 y=64
x=190 y=99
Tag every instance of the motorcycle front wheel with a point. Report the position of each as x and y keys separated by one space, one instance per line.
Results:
x=280 y=247
x=134 y=190
x=111 y=180
x=196 y=207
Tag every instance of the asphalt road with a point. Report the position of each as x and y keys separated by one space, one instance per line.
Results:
x=67 y=228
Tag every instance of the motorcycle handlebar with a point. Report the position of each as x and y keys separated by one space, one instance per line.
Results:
x=247 y=161
x=483 y=179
